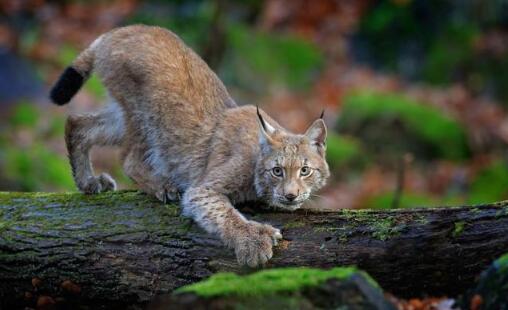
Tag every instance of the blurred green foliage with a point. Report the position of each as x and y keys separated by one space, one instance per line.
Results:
x=437 y=41
x=450 y=53
x=274 y=58
x=490 y=184
x=24 y=115
x=252 y=60
x=66 y=55
x=407 y=200
x=343 y=151
x=93 y=85
x=430 y=40
x=412 y=200
x=391 y=122
x=391 y=28
x=36 y=166
x=189 y=19
x=30 y=154
x=33 y=164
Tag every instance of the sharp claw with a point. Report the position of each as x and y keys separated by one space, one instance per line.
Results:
x=262 y=260
x=167 y=198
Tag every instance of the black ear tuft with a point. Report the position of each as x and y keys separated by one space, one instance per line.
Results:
x=322 y=114
x=66 y=87
x=261 y=120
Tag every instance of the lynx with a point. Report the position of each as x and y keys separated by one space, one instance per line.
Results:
x=183 y=137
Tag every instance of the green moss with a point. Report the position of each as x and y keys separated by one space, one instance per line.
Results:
x=105 y=214
x=458 y=228
x=421 y=219
x=401 y=124
x=384 y=229
x=267 y=282
x=294 y=224
x=358 y=215
x=327 y=229
x=502 y=263
x=380 y=227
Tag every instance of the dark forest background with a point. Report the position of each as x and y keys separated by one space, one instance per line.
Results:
x=414 y=90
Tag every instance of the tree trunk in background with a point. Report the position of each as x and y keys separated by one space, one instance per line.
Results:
x=123 y=248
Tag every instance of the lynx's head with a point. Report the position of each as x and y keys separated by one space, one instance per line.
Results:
x=290 y=167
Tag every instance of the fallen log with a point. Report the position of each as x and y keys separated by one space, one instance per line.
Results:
x=285 y=288
x=123 y=248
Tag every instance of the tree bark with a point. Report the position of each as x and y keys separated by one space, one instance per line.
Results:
x=123 y=248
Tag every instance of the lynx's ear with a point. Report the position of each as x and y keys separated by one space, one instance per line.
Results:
x=266 y=130
x=317 y=135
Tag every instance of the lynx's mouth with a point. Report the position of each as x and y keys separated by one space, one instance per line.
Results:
x=282 y=202
x=290 y=203
x=287 y=205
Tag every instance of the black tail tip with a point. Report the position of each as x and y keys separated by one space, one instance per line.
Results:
x=66 y=87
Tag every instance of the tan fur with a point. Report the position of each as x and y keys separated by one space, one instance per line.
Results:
x=181 y=133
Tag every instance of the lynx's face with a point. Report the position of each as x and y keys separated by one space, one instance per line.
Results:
x=291 y=167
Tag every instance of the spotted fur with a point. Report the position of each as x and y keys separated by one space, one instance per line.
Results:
x=183 y=136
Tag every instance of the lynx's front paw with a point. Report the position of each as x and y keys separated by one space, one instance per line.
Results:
x=94 y=185
x=254 y=242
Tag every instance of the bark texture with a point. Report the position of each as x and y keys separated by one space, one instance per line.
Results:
x=491 y=292
x=123 y=248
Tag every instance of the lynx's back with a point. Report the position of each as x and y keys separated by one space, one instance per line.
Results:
x=171 y=98
x=151 y=68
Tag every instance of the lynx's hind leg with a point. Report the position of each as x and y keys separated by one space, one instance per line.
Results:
x=103 y=128
x=146 y=179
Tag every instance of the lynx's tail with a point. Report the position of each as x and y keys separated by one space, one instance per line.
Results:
x=74 y=76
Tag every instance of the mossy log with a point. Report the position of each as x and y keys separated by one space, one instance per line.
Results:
x=283 y=288
x=123 y=248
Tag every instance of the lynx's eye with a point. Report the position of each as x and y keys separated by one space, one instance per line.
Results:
x=278 y=172
x=305 y=171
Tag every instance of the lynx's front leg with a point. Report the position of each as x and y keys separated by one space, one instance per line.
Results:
x=214 y=212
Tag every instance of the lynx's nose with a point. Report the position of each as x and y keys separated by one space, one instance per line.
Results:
x=290 y=197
